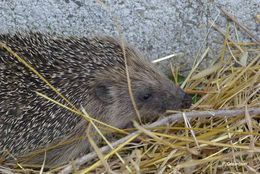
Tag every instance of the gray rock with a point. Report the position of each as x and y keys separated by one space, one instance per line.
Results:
x=158 y=28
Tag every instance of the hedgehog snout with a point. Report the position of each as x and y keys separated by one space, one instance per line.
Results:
x=186 y=101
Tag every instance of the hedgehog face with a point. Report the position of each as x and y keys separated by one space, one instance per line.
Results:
x=155 y=99
x=152 y=92
x=152 y=95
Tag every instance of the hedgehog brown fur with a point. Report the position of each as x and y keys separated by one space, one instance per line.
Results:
x=90 y=73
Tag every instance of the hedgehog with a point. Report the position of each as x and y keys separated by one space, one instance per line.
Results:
x=90 y=73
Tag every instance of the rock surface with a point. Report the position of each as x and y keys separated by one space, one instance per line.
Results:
x=158 y=28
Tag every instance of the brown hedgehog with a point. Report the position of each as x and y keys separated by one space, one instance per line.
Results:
x=89 y=73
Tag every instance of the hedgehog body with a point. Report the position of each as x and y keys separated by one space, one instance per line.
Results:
x=89 y=73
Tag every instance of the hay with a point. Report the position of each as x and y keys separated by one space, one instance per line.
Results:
x=200 y=145
x=215 y=142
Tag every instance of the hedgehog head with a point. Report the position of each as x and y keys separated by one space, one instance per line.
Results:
x=152 y=91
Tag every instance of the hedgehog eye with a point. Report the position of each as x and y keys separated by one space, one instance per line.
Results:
x=145 y=97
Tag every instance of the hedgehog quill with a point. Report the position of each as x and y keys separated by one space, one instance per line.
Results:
x=90 y=72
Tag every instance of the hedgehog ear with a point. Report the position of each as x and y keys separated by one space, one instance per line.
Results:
x=103 y=93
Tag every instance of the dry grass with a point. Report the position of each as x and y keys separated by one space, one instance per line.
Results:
x=199 y=145
x=202 y=145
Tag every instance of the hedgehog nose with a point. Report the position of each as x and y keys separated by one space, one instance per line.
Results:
x=186 y=101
